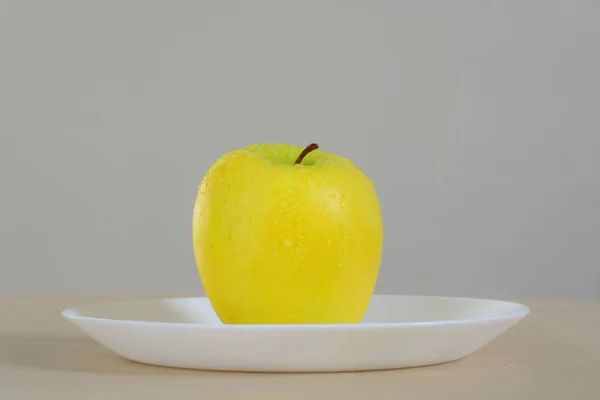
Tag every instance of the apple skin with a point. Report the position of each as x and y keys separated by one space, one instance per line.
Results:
x=278 y=243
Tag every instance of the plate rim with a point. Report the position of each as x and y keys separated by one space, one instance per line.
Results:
x=522 y=311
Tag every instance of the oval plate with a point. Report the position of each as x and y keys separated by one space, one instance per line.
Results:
x=397 y=332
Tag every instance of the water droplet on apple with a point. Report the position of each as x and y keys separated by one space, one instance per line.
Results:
x=283 y=204
x=345 y=235
x=288 y=216
x=329 y=240
x=288 y=242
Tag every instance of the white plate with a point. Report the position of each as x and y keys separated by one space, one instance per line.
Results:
x=397 y=332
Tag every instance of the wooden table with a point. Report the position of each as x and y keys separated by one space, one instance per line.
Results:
x=554 y=353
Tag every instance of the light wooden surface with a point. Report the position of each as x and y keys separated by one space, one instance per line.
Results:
x=554 y=353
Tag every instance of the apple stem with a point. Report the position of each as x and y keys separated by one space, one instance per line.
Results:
x=308 y=149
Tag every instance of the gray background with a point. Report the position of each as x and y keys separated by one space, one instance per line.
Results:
x=476 y=120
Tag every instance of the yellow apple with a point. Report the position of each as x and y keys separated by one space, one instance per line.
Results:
x=286 y=235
